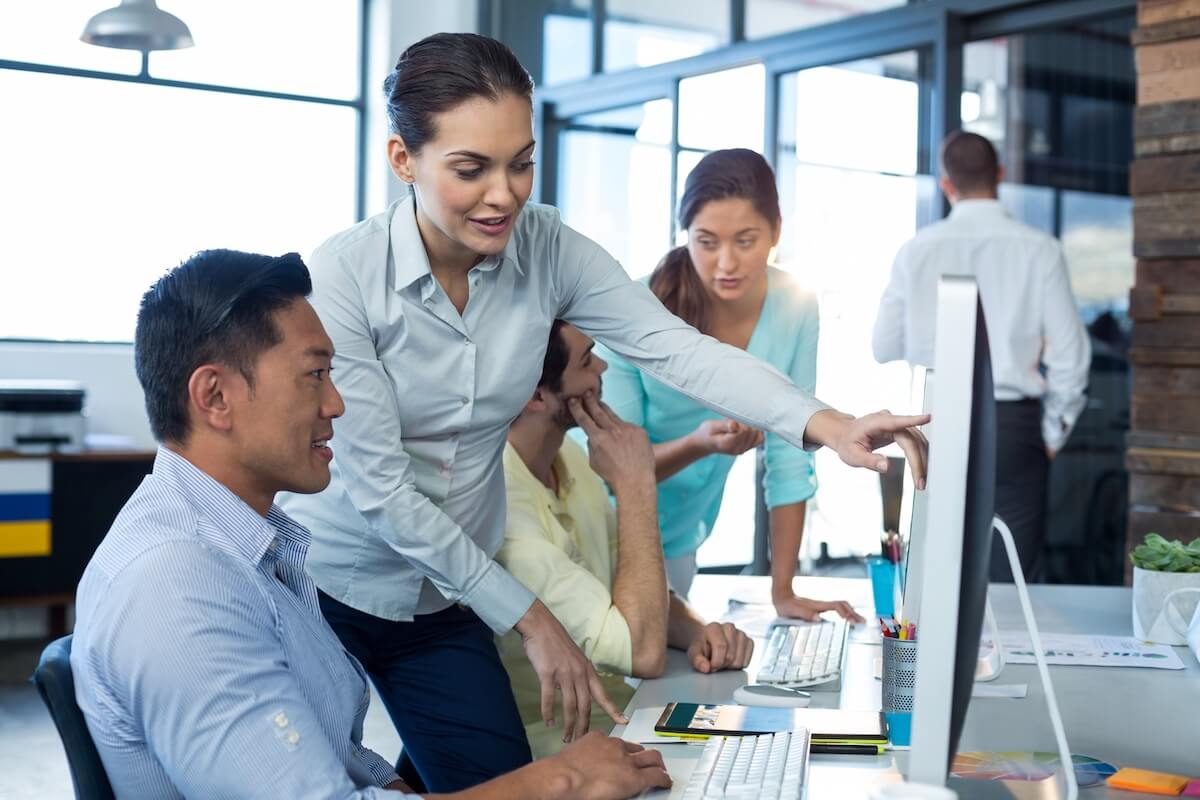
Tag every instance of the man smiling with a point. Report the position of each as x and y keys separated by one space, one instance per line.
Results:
x=201 y=661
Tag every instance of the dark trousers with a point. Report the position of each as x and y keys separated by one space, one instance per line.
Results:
x=445 y=689
x=1022 y=468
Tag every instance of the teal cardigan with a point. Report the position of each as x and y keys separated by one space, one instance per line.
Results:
x=688 y=501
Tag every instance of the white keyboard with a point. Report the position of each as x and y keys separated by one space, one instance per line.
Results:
x=804 y=654
x=773 y=766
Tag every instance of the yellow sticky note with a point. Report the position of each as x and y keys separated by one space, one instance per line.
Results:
x=1144 y=780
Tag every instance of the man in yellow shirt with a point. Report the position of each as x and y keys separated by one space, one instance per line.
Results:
x=599 y=570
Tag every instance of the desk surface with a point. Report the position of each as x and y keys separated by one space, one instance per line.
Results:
x=1147 y=718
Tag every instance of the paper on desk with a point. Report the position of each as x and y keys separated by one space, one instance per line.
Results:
x=1012 y=690
x=1090 y=651
x=640 y=729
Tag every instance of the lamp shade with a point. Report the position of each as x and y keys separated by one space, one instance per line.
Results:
x=137 y=25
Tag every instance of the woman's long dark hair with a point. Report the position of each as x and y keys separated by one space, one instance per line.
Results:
x=720 y=175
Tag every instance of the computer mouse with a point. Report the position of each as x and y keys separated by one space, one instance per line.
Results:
x=769 y=694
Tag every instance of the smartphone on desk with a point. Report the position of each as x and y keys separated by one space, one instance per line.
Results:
x=826 y=725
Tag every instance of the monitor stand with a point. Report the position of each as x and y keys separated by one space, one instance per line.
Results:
x=1065 y=778
x=991 y=662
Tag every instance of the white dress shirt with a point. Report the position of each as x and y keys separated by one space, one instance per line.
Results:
x=1028 y=307
x=416 y=508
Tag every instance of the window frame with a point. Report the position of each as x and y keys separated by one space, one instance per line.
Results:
x=938 y=30
x=146 y=77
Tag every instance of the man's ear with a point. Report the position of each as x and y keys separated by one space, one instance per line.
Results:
x=400 y=158
x=539 y=402
x=948 y=189
x=209 y=394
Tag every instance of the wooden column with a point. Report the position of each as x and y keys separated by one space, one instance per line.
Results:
x=1163 y=455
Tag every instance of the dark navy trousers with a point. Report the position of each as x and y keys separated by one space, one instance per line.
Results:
x=446 y=690
x=1022 y=470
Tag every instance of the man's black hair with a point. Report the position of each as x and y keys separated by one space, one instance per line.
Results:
x=216 y=307
x=556 y=359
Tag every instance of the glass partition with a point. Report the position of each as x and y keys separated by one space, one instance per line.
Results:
x=614 y=181
x=851 y=196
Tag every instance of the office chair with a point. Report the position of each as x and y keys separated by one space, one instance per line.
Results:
x=53 y=680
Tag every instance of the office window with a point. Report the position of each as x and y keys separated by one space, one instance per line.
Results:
x=566 y=42
x=769 y=17
x=108 y=183
x=637 y=34
x=722 y=109
x=850 y=198
x=614 y=181
x=48 y=33
x=1058 y=103
x=274 y=45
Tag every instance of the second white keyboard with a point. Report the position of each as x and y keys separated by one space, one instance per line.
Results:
x=773 y=766
x=804 y=653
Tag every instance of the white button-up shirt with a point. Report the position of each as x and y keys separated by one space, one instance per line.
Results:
x=1028 y=308
x=416 y=508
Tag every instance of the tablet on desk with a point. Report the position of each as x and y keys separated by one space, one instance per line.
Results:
x=826 y=725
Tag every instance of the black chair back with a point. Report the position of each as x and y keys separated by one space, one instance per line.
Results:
x=55 y=685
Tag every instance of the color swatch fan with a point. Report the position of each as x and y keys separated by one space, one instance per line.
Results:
x=1027 y=767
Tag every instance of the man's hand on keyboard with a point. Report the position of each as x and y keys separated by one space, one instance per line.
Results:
x=719 y=646
x=807 y=609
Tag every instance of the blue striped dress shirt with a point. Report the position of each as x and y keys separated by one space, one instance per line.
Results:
x=201 y=660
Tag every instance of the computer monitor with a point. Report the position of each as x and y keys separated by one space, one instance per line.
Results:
x=957 y=536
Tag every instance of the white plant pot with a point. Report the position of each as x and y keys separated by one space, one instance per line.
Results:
x=1152 y=614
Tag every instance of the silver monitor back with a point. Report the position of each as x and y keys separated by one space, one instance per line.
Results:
x=956 y=538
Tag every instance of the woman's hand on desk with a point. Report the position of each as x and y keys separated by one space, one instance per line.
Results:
x=807 y=609
x=855 y=439
x=718 y=646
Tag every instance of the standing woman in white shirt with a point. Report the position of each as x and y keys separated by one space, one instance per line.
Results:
x=440 y=311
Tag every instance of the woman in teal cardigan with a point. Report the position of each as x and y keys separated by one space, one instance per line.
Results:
x=721 y=284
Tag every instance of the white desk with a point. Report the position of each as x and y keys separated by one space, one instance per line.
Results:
x=1146 y=718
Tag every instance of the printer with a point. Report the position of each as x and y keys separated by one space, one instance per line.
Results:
x=41 y=416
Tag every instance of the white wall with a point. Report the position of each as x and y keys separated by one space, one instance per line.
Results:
x=114 y=398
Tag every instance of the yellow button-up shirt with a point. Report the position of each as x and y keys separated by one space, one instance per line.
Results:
x=563 y=547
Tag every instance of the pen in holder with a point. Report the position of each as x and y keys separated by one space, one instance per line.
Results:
x=899 y=684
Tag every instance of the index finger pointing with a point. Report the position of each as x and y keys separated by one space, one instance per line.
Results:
x=892 y=422
x=601 y=698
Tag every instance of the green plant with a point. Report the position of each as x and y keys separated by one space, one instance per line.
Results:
x=1158 y=554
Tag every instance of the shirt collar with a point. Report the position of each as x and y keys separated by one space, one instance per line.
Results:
x=408 y=251
x=236 y=528
x=974 y=209
x=566 y=481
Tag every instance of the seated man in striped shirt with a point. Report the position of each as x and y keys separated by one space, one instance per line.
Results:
x=201 y=661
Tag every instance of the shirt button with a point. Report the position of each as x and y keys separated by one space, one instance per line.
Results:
x=465 y=400
x=281 y=720
x=293 y=737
